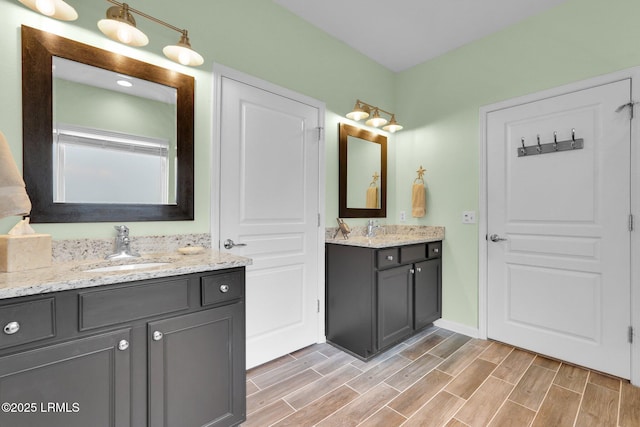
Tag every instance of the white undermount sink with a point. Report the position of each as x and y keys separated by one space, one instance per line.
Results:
x=125 y=267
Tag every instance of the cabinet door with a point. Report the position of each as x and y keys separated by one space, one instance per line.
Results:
x=395 y=305
x=197 y=369
x=76 y=384
x=428 y=296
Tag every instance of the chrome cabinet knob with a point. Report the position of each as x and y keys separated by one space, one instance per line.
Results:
x=157 y=335
x=123 y=345
x=11 y=328
x=224 y=288
x=436 y=250
x=412 y=271
x=389 y=257
x=419 y=269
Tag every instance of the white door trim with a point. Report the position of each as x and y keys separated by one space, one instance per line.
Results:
x=220 y=71
x=634 y=75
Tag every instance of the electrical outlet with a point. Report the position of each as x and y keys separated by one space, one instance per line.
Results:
x=403 y=216
x=469 y=217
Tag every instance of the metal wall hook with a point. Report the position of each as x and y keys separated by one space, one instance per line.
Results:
x=550 y=147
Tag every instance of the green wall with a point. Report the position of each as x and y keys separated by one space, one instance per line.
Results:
x=437 y=101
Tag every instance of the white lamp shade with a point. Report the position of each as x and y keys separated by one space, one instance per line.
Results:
x=123 y=32
x=392 y=127
x=183 y=55
x=357 y=115
x=57 y=9
x=376 y=121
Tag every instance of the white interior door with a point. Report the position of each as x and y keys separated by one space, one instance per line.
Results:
x=269 y=187
x=559 y=284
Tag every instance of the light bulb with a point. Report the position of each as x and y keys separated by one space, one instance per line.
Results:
x=124 y=33
x=184 y=57
x=46 y=7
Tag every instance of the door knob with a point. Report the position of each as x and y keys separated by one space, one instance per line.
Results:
x=496 y=238
x=228 y=244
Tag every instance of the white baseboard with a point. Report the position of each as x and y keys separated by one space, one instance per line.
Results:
x=458 y=327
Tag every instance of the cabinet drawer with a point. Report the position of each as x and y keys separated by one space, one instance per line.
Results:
x=26 y=322
x=434 y=250
x=413 y=253
x=219 y=288
x=388 y=257
x=146 y=299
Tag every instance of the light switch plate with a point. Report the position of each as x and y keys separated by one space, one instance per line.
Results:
x=469 y=217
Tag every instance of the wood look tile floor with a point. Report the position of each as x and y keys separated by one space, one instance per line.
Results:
x=436 y=378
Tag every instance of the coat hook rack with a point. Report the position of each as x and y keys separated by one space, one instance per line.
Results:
x=550 y=147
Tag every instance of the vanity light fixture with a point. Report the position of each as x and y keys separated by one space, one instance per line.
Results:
x=119 y=25
x=57 y=9
x=362 y=110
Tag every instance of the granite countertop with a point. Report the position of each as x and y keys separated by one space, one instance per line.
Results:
x=387 y=236
x=62 y=276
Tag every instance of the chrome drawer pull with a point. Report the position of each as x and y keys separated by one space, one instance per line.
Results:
x=436 y=250
x=11 y=328
x=123 y=345
x=224 y=288
x=389 y=257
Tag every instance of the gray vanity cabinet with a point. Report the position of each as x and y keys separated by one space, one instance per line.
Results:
x=394 y=305
x=74 y=384
x=378 y=297
x=161 y=352
x=427 y=279
x=193 y=373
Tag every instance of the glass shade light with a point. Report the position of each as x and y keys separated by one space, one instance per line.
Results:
x=358 y=113
x=120 y=26
x=182 y=52
x=57 y=9
x=362 y=110
x=376 y=120
x=393 y=126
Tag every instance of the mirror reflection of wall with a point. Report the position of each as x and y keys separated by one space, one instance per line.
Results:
x=366 y=157
x=112 y=143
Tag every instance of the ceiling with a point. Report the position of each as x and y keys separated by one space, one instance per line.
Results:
x=402 y=33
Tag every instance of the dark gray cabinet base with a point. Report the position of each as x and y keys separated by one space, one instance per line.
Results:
x=378 y=297
x=153 y=353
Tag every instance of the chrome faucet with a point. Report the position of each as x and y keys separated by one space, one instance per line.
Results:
x=371 y=228
x=122 y=245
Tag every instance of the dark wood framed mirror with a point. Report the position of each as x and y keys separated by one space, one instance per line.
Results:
x=362 y=173
x=39 y=49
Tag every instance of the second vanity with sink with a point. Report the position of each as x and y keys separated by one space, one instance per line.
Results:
x=381 y=290
x=154 y=341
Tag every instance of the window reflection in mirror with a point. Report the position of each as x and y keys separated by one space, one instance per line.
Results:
x=176 y=188
x=362 y=173
x=114 y=137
